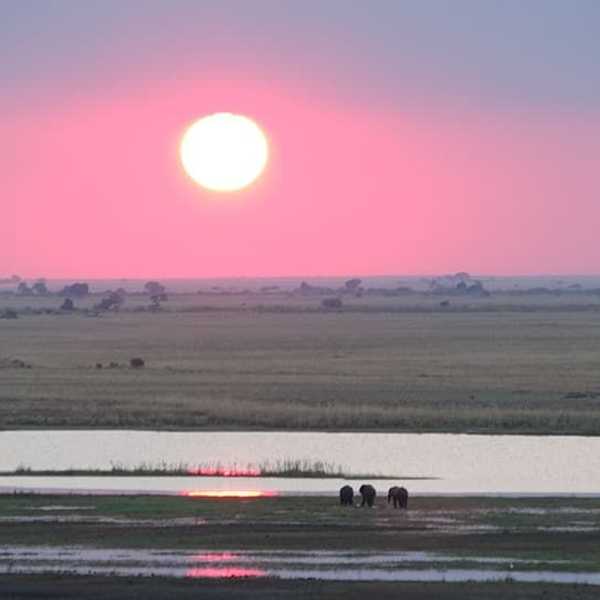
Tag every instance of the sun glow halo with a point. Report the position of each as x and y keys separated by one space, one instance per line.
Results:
x=224 y=152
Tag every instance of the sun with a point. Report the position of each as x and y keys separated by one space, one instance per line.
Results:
x=224 y=152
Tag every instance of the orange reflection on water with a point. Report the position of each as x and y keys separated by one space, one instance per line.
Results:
x=225 y=572
x=228 y=494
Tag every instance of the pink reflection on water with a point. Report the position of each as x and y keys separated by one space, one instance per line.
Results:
x=228 y=494
x=224 y=572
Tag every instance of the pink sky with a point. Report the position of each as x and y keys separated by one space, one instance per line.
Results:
x=92 y=186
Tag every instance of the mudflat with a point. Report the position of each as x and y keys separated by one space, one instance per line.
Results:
x=282 y=547
x=42 y=587
x=535 y=528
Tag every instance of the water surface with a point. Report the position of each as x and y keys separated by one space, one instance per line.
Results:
x=457 y=463
x=324 y=565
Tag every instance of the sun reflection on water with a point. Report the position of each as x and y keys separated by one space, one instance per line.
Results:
x=229 y=494
x=224 y=572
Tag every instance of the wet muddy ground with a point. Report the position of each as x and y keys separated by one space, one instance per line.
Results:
x=529 y=541
x=38 y=587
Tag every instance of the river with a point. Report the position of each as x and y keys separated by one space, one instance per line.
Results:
x=451 y=463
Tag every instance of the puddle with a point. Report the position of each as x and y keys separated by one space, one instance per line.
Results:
x=58 y=507
x=570 y=528
x=563 y=510
x=467 y=529
x=438 y=575
x=156 y=523
x=410 y=575
x=291 y=564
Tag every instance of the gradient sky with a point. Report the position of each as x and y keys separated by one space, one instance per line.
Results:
x=412 y=137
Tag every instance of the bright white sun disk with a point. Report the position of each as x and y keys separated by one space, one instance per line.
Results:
x=224 y=152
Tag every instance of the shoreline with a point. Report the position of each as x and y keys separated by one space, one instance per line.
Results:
x=292 y=430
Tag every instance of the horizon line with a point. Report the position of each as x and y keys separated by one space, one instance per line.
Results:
x=300 y=277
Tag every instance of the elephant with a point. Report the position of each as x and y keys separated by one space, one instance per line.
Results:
x=399 y=495
x=368 y=494
x=346 y=496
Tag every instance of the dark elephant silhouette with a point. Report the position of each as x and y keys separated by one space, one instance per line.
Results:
x=399 y=495
x=368 y=494
x=346 y=495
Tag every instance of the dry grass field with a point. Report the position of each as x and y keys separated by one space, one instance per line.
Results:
x=274 y=362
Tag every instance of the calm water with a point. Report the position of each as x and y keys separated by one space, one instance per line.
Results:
x=460 y=464
x=335 y=566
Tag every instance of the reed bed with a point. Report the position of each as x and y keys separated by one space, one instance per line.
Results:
x=292 y=468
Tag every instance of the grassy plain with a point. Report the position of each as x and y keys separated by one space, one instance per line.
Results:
x=505 y=364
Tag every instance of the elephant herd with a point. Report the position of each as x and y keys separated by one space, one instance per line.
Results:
x=397 y=495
